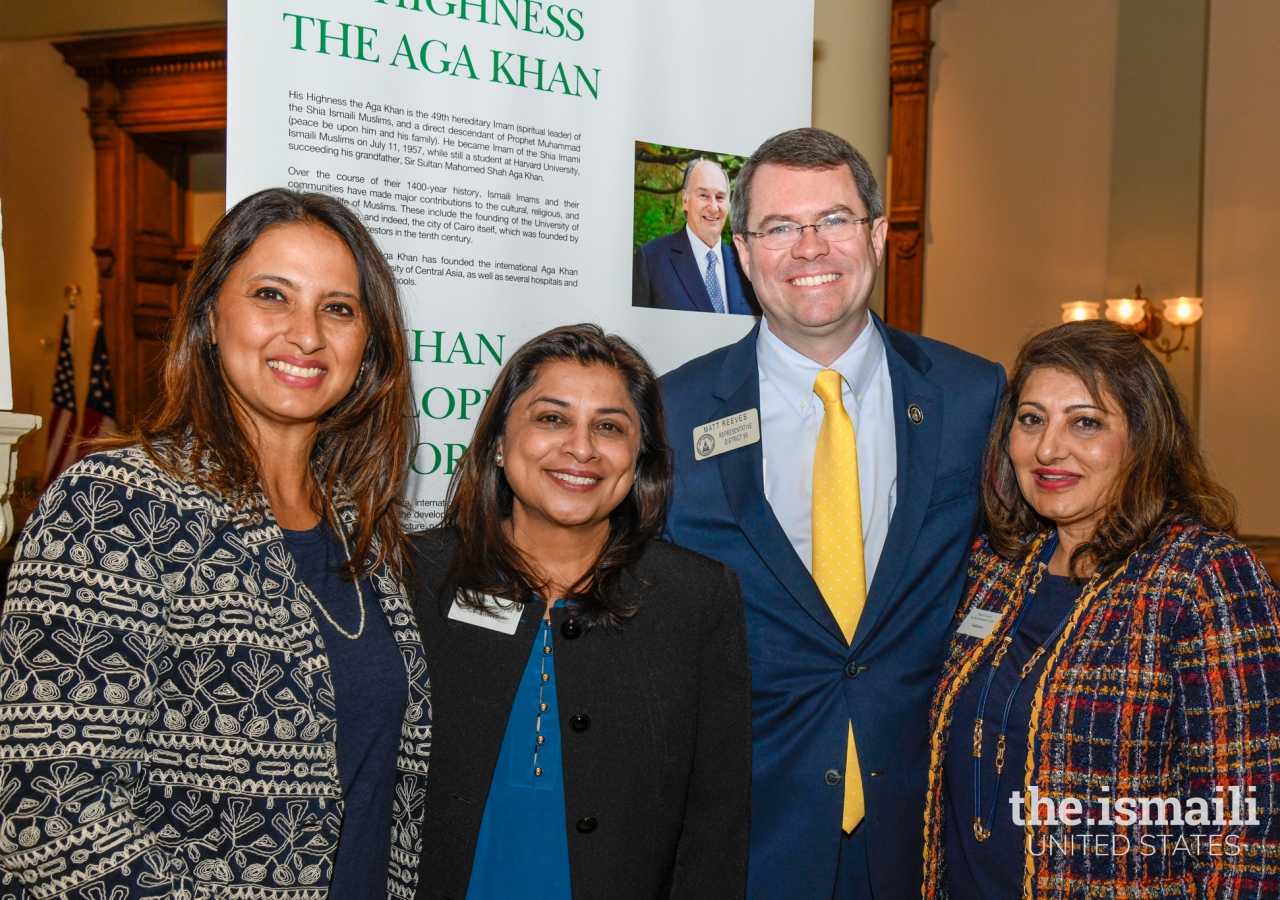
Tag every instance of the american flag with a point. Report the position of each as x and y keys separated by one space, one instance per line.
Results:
x=62 y=419
x=100 y=404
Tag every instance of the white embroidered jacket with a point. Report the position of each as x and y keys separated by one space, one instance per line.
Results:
x=166 y=711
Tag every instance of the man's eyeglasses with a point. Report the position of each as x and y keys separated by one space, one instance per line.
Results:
x=784 y=235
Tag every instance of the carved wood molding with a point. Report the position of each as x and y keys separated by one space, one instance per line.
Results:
x=155 y=81
x=115 y=56
x=152 y=95
x=909 y=51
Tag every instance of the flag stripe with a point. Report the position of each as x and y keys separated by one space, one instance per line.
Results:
x=62 y=416
x=100 y=403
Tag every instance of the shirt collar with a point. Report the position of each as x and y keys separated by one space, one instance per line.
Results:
x=793 y=373
x=700 y=249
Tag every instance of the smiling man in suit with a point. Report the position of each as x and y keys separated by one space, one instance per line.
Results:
x=847 y=513
x=693 y=269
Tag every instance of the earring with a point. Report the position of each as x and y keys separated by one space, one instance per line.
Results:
x=364 y=365
x=497 y=457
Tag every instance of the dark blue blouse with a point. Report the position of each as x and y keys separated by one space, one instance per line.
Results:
x=522 y=852
x=992 y=869
x=370 y=691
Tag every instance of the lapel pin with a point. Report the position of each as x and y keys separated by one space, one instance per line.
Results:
x=915 y=414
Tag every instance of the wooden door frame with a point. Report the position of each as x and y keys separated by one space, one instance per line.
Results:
x=163 y=84
x=909 y=50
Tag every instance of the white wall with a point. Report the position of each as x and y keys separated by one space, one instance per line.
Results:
x=1021 y=107
x=1240 y=388
x=851 y=82
x=46 y=185
x=1157 y=163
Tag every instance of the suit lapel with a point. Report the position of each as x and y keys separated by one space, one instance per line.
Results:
x=742 y=476
x=917 y=446
x=682 y=260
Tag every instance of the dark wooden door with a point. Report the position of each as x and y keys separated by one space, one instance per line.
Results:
x=154 y=99
x=157 y=235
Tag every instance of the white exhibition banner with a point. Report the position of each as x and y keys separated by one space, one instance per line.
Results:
x=491 y=148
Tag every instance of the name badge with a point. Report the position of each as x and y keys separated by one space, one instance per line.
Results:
x=980 y=623
x=496 y=617
x=738 y=430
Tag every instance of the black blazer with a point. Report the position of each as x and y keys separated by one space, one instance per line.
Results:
x=656 y=722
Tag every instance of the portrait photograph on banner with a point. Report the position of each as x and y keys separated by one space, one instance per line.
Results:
x=683 y=243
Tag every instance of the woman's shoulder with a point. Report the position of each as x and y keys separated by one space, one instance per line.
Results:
x=985 y=562
x=1207 y=554
x=133 y=465
x=107 y=485
x=130 y=471
x=664 y=564
x=433 y=552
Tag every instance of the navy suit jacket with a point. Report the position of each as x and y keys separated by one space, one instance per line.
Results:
x=666 y=275
x=807 y=683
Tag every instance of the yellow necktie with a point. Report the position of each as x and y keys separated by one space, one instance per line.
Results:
x=838 y=565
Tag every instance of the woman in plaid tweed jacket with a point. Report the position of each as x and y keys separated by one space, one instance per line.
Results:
x=1164 y=679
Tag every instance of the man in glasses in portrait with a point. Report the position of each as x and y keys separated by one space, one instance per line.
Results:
x=694 y=269
x=842 y=485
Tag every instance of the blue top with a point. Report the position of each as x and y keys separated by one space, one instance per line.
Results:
x=993 y=868
x=522 y=852
x=370 y=691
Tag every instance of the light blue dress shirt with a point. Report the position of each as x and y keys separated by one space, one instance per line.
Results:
x=790 y=418
x=700 y=255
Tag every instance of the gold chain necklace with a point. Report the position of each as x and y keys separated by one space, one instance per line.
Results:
x=980 y=831
x=359 y=596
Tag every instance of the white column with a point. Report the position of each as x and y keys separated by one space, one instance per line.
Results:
x=13 y=426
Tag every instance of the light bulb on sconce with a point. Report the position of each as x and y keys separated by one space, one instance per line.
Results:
x=1183 y=311
x=1127 y=310
x=1080 y=311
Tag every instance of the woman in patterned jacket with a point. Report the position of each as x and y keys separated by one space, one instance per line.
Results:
x=210 y=680
x=1108 y=719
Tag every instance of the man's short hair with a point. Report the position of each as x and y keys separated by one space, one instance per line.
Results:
x=688 y=172
x=805 y=148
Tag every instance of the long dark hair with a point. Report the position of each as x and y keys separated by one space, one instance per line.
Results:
x=480 y=499
x=362 y=448
x=1164 y=479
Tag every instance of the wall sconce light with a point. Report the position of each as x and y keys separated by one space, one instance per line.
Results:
x=1139 y=314
x=1183 y=311
x=1080 y=311
x=1127 y=311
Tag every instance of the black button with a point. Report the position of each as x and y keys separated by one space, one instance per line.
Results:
x=832 y=777
x=580 y=723
x=851 y=668
x=571 y=629
x=587 y=825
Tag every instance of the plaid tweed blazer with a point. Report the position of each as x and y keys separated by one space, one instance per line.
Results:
x=1165 y=683
x=167 y=719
